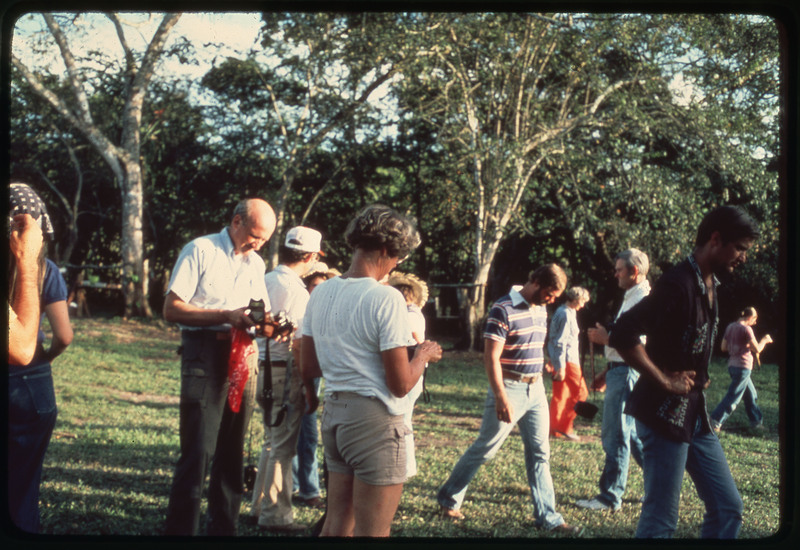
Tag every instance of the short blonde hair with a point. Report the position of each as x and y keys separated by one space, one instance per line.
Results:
x=577 y=293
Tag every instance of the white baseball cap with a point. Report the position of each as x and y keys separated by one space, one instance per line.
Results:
x=304 y=239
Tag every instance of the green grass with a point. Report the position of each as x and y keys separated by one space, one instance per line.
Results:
x=109 y=465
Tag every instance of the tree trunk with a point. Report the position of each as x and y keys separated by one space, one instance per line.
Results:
x=472 y=302
x=133 y=272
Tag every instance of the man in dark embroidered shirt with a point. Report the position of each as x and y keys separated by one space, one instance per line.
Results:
x=679 y=318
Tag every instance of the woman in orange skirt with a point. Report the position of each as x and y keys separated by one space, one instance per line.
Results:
x=569 y=386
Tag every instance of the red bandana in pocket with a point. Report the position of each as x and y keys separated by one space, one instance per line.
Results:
x=238 y=370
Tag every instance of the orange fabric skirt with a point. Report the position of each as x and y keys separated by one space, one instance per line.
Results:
x=566 y=393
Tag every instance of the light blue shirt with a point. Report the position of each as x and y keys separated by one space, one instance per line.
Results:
x=562 y=345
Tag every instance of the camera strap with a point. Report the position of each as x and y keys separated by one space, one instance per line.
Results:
x=267 y=394
x=426 y=396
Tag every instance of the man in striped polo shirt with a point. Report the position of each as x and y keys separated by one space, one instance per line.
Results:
x=514 y=358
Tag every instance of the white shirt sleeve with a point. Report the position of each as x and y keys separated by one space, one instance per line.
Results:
x=186 y=274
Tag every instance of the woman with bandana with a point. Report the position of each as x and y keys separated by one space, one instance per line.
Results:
x=31 y=397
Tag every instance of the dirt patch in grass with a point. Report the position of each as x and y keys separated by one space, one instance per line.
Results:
x=133 y=331
x=127 y=330
x=138 y=398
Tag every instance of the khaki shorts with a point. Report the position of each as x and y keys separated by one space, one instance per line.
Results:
x=362 y=439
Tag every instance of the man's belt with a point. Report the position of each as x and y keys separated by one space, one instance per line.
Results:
x=204 y=334
x=279 y=364
x=527 y=378
x=615 y=364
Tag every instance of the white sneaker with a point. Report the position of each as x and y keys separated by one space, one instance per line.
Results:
x=593 y=504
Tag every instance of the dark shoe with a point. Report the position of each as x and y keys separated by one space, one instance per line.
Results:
x=313 y=502
x=594 y=504
x=289 y=528
x=567 y=436
x=568 y=530
x=449 y=513
x=250 y=519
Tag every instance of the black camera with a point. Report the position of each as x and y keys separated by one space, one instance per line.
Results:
x=283 y=323
x=257 y=313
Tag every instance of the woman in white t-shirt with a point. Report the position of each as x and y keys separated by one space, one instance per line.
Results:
x=355 y=334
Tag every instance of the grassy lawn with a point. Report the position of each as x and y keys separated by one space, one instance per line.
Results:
x=109 y=465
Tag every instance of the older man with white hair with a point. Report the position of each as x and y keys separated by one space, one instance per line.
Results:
x=618 y=432
x=214 y=279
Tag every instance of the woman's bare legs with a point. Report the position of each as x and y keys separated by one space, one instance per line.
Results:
x=339 y=518
x=359 y=509
x=375 y=506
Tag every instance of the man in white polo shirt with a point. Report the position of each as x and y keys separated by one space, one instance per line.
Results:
x=272 y=497
x=214 y=279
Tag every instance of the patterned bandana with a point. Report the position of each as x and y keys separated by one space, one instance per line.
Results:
x=24 y=200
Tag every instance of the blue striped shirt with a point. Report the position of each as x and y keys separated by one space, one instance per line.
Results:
x=521 y=328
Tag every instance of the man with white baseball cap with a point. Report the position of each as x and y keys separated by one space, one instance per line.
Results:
x=284 y=408
x=304 y=239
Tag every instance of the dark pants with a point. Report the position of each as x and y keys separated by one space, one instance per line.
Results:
x=31 y=418
x=209 y=432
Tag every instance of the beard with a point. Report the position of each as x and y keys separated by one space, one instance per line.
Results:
x=537 y=298
x=725 y=270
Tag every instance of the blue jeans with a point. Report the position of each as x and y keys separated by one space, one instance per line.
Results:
x=618 y=436
x=664 y=463
x=531 y=412
x=31 y=418
x=741 y=388
x=305 y=467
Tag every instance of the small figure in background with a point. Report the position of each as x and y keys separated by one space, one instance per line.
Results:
x=415 y=292
x=742 y=347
